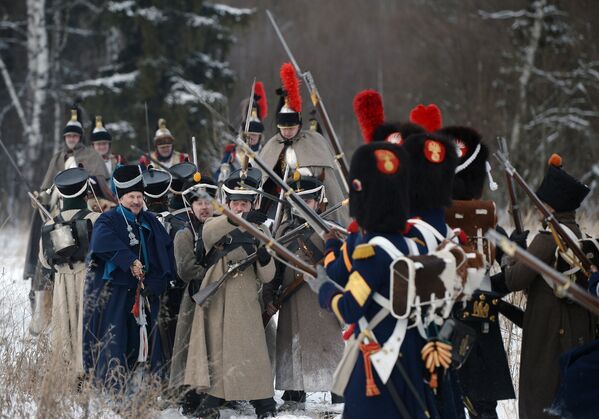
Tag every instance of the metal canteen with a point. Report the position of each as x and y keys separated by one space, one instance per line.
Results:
x=62 y=239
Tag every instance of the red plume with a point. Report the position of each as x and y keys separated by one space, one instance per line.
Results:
x=428 y=117
x=368 y=107
x=555 y=160
x=262 y=103
x=291 y=86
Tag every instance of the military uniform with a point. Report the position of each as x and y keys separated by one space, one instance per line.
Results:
x=552 y=325
x=70 y=268
x=375 y=168
x=161 y=137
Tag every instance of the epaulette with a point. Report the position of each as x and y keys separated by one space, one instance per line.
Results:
x=229 y=148
x=363 y=251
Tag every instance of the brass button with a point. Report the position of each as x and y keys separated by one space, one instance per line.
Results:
x=562 y=331
x=492 y=318
x=482 y=297
x=495 y=301
x=465 y=314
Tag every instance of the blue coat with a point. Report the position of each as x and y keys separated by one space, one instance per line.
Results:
x=110 y=332
x=370 y=274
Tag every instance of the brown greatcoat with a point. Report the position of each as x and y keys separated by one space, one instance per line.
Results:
x=228 y=357
x=188 y=268
x=551 y=327
x=313 y=152
x=66 y=327
x=309 y=344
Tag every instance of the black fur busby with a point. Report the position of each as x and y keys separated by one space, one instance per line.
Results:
x=433 y=162
x=72 y=183
x=235 y=186
x=561 y=190
x=396 y=132
x=156 y=183
x=100 y=133
x=74 y=125
x=127 y=179
x=471 y=172
x=181 y=172
x=378 y=197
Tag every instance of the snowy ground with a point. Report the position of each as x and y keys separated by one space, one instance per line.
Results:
x=14 y=311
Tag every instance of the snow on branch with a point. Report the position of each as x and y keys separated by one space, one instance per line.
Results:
x=547 y=10
x=114 y=83
x=130 y=9
x=184 y=92
x=196 y=21
x=123 y=129
x=571 y=117
x=229 y=11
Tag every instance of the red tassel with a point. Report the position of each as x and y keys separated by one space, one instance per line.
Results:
x=428 y=117
x=349 y=331
x=367 y=350
x=135 y=308
x=368 y=107
x=291 y=86
x=262 y=102
x=353 y=227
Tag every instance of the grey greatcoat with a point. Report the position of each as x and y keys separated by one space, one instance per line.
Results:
x=188 y=269
x=313 y=152
x=66 y=326
x=228 y=357
x=309 y=344
x=551 y=327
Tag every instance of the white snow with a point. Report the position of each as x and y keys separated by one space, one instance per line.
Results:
x=223 y=9
x=184 y=92
x=114 y=83
x=121 y=128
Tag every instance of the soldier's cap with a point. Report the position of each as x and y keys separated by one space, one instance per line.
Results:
x=181 y=172
x=163 y=135
x=73 y=126
x=72 y=182
x=156 y=182
x=238 y=189
x=192 y=190
x=306 y=185
x=128 y=178
x=561 y=190
x=100 y=133
x=290 y=101
x=379 y=180
x=433 y=160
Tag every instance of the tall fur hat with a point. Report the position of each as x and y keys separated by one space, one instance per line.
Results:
x=433 y=161
x=559 y=189
x=376 y=169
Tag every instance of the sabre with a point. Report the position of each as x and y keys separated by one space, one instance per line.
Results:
x=194 y=151
x=245 y=133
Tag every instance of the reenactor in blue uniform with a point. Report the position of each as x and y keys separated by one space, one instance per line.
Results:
x=132 y=263
x=375 y=169
x=481 y=391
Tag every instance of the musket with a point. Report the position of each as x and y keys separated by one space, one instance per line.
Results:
x=246 y=127
x=329 y=211
x=562 y=285
x=147 y=127
x=39 y=205
x=340 y=160
x=307 y=213
x=563 y=240
x=514 y=207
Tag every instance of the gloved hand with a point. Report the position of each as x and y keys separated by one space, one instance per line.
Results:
x=321 y=278
x=263 y=256
x=255 y=217
x=520 y=238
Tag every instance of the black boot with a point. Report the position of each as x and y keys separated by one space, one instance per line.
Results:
x=293 y=400
x=265 y=408
x=190 y=400
x=209 y=407
x=336 y=399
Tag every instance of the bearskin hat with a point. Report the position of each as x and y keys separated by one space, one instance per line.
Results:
x=376 y=169
x=561 y=190
x=433 y=161
x=473 y=154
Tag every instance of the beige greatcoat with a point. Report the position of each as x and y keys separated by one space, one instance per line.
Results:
x=309 y=344
x=228 y=357
x=187 y=269
x=66 y=326
x=312 y=151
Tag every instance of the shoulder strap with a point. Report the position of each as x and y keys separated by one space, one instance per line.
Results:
x=81 y=214
x=387 y=246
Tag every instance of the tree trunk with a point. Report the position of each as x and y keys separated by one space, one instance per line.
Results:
x=527 y=66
